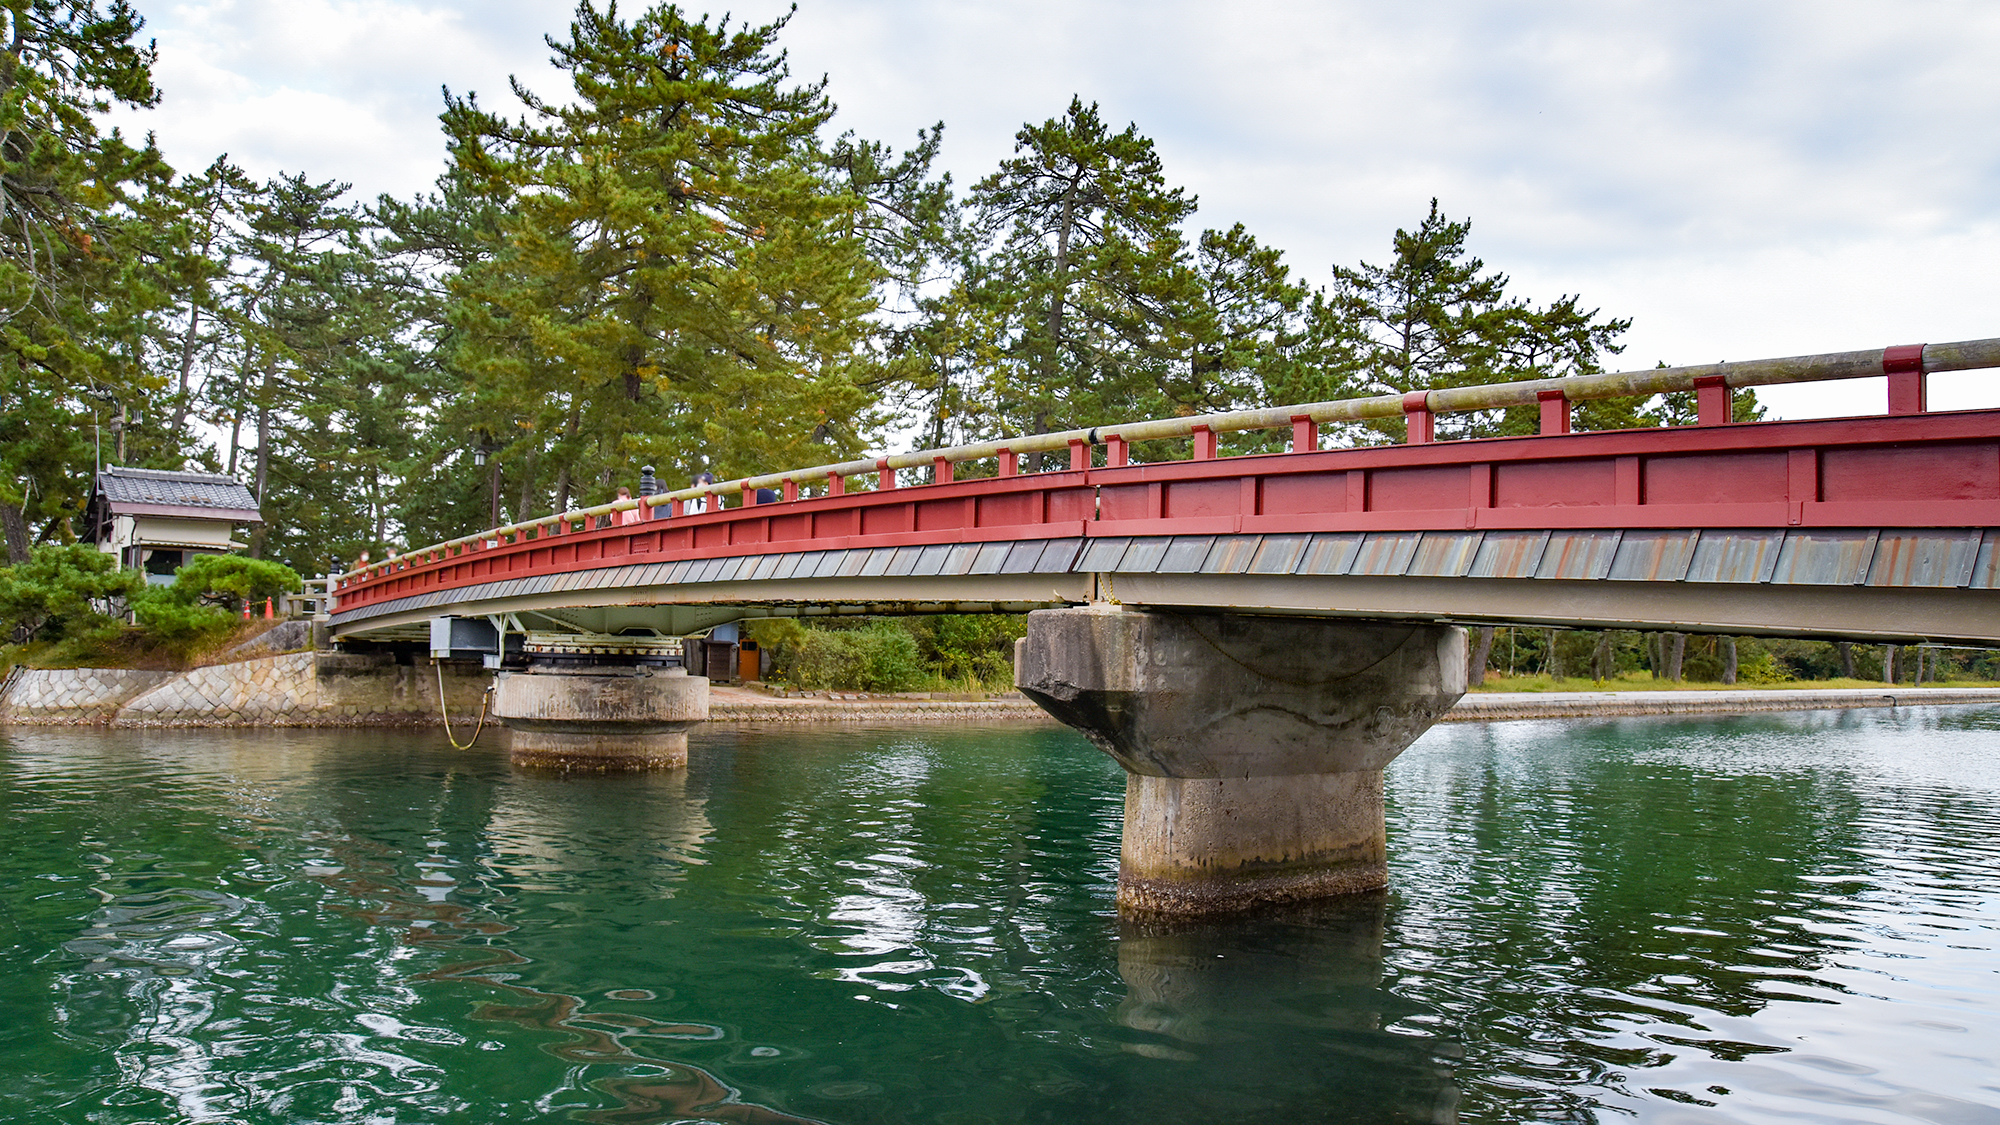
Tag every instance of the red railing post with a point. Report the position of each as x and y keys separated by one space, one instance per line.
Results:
x=885 y=477
x=1079 y=455
x=1555 y=411
x=791 y=490
x=1010 y=463
x=1420 y=425
x=1711 y=401
x=836 y=485
x=1204 y=444
x=1904 y=365
x=1305 y=434
x=940 y=471
x=1117 y=452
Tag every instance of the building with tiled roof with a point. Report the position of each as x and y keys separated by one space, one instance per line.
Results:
x=156 y=520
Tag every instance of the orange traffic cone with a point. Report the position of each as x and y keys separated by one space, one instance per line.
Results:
x=267 y=609
x=246 y=609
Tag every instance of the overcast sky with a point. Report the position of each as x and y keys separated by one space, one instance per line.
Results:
x=1742 y=179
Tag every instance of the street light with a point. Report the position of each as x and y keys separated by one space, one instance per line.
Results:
x=481 y=454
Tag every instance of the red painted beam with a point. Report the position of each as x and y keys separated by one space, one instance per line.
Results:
x=1911 y=470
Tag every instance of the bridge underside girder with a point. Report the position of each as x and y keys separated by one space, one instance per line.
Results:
x=1888 y=586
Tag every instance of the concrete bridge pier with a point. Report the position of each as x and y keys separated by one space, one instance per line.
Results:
x=1253 y=746
x=594 y=717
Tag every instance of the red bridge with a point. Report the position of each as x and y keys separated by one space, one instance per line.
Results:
x=1881 y=527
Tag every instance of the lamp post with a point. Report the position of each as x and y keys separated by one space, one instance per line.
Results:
x=481 y=454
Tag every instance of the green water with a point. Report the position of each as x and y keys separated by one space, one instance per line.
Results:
x=1751 y=919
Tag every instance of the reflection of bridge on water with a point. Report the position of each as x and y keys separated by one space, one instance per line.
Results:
x=1253 y=637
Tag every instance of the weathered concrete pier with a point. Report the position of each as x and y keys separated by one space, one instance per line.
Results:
x=1253 y=746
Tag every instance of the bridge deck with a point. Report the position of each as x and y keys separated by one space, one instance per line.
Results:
x=1878 y=527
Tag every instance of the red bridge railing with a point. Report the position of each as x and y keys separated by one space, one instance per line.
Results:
x=1899 y=470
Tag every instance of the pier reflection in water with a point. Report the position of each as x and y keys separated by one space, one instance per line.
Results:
x=1781 y=917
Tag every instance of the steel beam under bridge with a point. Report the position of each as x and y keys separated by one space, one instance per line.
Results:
x=1892 y=585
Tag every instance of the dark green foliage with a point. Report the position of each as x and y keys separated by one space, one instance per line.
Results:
x=206 y=596
x=63 y=591
x=970 y=648
x=879 y=656
x=231 y=580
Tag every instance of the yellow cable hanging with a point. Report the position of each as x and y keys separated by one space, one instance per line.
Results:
x=484 y=701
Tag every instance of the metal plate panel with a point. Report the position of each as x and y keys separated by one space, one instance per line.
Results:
x=828 y=566
x=1735 y=556
x=1058 y=556
x=1578 y=554
x=767 y=565
x=1330 y=554
x=1986 y=568
x=1022 y=557
x=701 y=570
x=1144 y=555
x=738 y=569
x=1508 y=554
x=991 y=557
x=1653 y=556
x=1231 y=554
x=1444 y=554
x=1924 y=558
x=790 y=565
x=1103 y=554
x=850 y=566
x=1185 y=554
x=931 y=560
x=1386 y=553
x=877 y=563
x=1278 y=554
x=1825 y=557
x=656 y=574
x=905 y=561
x=962 y=558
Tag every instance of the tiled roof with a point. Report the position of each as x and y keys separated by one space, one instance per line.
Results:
x=185 y=490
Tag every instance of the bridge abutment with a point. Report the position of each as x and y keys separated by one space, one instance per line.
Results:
x=1253 y=746
x=600 y=718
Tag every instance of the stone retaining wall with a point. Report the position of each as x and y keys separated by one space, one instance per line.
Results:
x=72 y=695
x=296 y=689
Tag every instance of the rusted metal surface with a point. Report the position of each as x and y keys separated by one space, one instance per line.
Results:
x=1579 y=554
x=1735 y=556
x=1509 y=554
x=1653 y=556
x=1445 y=554
x=1825 y=558
x=1386 y=554
x=1924 y=558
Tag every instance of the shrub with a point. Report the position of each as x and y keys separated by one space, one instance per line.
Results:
x=230 y=580
x=883 y=656
x=63 y=591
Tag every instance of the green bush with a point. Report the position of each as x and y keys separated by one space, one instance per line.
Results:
x=60 y=591
x=230 y=580
x=206 y=595
x=883 y=656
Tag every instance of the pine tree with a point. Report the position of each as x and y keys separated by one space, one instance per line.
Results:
x=1082 y=291
x=678 y=276
x=75 y=291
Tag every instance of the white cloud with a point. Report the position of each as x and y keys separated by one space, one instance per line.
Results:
x=1741 y=178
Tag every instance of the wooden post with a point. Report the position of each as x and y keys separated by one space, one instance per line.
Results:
x=1305 y=434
